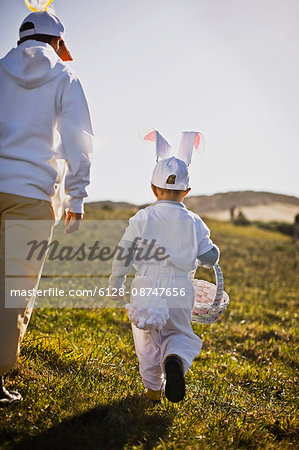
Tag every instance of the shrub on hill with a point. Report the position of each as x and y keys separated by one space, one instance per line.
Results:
x=282 y=227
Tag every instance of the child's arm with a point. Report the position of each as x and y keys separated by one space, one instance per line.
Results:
x=208 y=252
x=210 y=258
x=122 y=265
x=123 y=260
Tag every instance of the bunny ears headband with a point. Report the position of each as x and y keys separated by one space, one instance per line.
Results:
x=38 y=5
x=191 y=140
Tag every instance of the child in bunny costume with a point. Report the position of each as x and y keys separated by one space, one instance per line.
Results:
x=162 y=293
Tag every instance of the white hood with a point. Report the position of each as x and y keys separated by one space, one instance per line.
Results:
x=32 y=64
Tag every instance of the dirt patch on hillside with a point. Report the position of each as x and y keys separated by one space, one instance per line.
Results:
x=275 y=212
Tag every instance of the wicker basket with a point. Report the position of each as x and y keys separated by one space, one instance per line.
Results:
x=210 y=299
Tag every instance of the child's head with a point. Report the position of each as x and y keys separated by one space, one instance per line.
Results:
x=169 y=194
x=170 y=180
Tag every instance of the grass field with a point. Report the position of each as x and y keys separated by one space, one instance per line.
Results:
x=79 y=376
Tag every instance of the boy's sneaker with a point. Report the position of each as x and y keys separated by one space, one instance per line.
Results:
x=175 y=381
x=153 y=396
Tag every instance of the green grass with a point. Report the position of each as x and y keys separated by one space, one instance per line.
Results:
x=79 y=376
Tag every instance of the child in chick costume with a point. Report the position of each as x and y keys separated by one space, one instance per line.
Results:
x=162 y=292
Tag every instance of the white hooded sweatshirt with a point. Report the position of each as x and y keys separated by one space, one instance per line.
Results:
x=44 y=122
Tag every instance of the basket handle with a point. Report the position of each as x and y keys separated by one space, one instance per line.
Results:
x=219 y=285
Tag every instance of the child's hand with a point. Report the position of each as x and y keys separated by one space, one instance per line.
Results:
x=116 y=294
x=117 y=298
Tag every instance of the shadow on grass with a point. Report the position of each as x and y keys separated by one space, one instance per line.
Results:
x=122 y=423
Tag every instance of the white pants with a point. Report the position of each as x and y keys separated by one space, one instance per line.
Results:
x=176 y=337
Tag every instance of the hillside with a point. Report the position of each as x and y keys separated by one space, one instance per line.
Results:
x=255 y=205
x=109 y=205
x=264 y=206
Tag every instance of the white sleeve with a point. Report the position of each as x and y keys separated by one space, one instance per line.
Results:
x=75 y=129
x=210 y=258
x=134 y=229
x=75 y=185
x=122 y=267
x=204 y=242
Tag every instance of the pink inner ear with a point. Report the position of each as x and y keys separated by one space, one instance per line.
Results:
x=196 y=141
x=150 y=136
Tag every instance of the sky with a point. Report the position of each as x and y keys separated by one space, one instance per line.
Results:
x=226 y=68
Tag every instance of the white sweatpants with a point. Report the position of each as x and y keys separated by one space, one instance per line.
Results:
x=177 y=336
